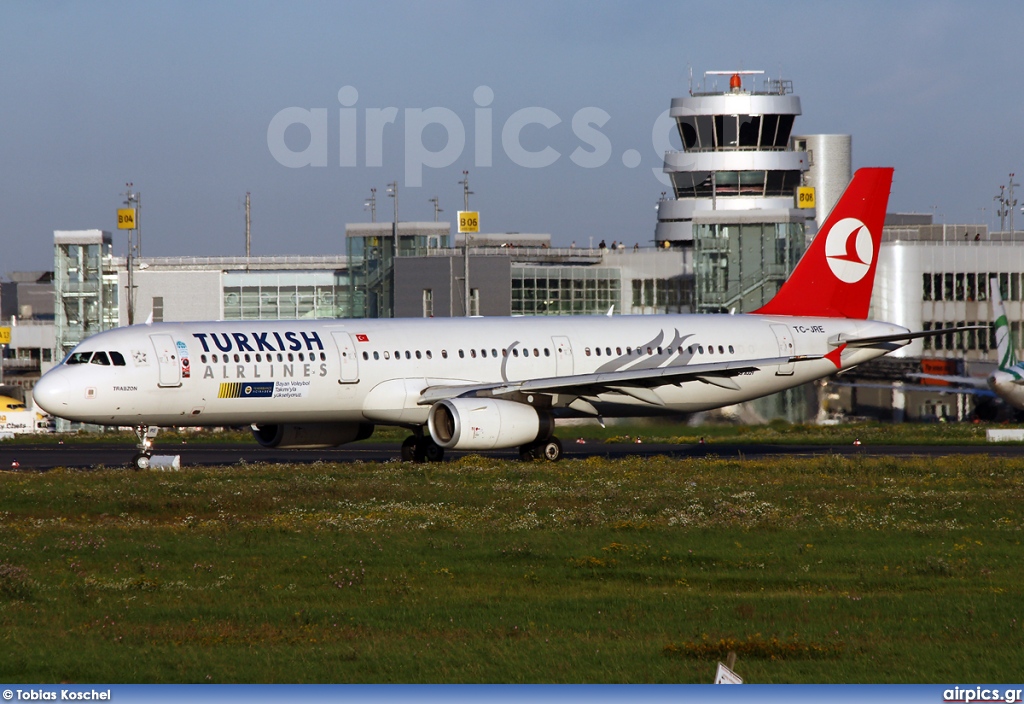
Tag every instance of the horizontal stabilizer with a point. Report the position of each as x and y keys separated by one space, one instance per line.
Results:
x=854 y=341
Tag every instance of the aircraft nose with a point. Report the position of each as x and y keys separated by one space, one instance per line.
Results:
x=51 y=393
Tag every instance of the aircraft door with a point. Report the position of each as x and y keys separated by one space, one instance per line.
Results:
x=347 y=355
x=563 y=356
x=167 y=360
x=787 y=348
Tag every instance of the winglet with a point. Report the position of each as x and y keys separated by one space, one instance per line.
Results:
x=835 y=276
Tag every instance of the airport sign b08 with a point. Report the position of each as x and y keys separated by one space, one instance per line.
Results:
x=5 y=336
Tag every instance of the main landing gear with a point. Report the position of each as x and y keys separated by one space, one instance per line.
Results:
x=146 y=435
x=421 y=448
x=550 y=450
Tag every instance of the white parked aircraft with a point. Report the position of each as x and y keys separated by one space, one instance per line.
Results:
x=1007 y=380
x=486 y=383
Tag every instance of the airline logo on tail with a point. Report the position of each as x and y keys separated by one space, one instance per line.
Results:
x=849 y=250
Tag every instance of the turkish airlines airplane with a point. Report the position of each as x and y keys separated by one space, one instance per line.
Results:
x=486 y=383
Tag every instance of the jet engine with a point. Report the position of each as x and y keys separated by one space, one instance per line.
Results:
x=486 y=424
x=310 y=436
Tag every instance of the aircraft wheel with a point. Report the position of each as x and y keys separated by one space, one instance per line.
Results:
x=140 y=461
x=432 y=452
x=409 y=449
x=528 y=453
x=550 y=450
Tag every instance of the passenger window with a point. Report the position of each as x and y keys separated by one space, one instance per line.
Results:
x=280 y=357
x=618 y=350
x=462 y=355
x=587 y=351
x=472 y=353
x=731 y=350
x=444 y=354
x=117 y=358
x=700 y=349
x=629 y=350
x=597 y=351
x=101 y=359
x=659 y=350
x=247 y=357
x=547 y=352
x=483 y=353
x=418 y=355
x=494 y=352
x=237 y=358
x=366 y=355
x=515 y=351
x=720 y=350
x=407 y=355
x=430 y=355
x=202 y=358
x=536 y=352
x=387 y=355
x=376 y=355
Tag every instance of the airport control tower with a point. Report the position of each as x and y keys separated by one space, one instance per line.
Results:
x=735 y=189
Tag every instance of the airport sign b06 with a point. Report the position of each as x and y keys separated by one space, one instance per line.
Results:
x=469 y=221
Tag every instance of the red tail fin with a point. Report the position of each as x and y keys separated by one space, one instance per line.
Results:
x=835 y=276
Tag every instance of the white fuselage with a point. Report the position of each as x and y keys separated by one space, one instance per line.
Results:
x=235 y=373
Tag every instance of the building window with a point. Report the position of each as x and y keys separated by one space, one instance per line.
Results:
x=474 y=301
x=158 y=309
x=428 y=303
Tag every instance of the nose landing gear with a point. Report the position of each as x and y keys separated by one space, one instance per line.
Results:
x=146 y=435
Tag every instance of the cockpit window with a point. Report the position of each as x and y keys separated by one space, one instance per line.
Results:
x=117 y=358
x=79 y=358
x=100 y=358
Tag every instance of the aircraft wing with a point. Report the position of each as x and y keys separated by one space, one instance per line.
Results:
x=964 y=390
x=630 y=382
x=973 y=382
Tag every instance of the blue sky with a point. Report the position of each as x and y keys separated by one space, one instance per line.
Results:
x=179 y=99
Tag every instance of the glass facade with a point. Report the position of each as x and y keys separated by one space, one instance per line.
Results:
x=741 y=266
x=270 y=295
x=564 y=290
x=86 y=286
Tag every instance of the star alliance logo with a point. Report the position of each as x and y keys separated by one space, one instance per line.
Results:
x=140 y=358
x=849 y=250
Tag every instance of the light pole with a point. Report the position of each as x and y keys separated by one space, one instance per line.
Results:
x=371 y=203
x=466 y=193
x=393 y=193
x=437 y=207
x=133 y=198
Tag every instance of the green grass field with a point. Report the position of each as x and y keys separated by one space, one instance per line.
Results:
x=479 y=570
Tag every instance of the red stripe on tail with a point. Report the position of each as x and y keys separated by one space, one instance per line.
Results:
x=835 y=276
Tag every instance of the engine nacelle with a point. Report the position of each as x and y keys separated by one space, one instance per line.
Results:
x=310 y=436
x=485 y=424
